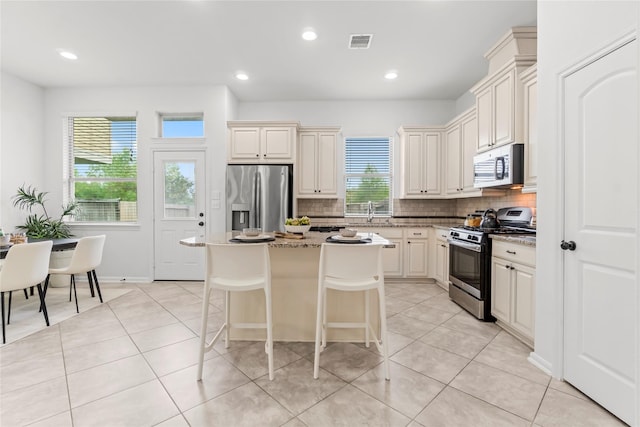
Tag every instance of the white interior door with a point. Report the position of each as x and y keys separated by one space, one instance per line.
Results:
x=179 y=192
x=601 y=200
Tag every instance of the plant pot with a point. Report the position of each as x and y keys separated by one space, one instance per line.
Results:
x=60 y=259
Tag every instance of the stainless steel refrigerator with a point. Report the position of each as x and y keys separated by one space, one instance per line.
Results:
x=259 y=196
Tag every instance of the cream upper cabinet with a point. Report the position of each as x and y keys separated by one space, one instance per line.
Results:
x=421 y=162
x=317 y=163
x=530 y=82
x=513 y=288
x=261 y=142
x=460 y=147
x=499 y=96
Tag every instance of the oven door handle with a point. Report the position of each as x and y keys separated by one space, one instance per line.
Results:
x=471 y=246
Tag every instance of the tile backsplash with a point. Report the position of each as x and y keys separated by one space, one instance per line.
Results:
x=423 y=208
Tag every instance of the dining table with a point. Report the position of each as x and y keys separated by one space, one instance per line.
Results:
x=58 y=245
x=294 y=288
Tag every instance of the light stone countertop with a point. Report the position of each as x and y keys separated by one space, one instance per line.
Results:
x=312 y=239
x=526 y=240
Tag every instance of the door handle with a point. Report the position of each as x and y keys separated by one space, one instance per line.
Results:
x=570 y=245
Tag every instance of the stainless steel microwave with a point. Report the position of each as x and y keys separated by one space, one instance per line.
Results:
x=500 y=167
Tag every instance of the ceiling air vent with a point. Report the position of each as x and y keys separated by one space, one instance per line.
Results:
x=360 y=41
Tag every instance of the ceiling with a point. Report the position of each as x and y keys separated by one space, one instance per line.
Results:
x=436 y=46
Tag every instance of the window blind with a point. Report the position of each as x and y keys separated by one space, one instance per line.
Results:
x=103 y=168
x=368 y=175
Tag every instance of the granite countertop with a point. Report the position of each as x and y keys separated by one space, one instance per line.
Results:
x=526 y=240
x=312 y=239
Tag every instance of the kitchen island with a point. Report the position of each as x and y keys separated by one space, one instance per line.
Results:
x=294 y=283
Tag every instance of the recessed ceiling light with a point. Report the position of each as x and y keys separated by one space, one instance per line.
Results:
x=309 y=34
x=241 y=75
x=391 y=75
x=66 y=54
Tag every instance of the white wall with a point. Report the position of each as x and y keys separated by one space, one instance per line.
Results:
x=21 y=143
x=568 y=31
x=466 y=101
x=129 y=249
x=356 y=118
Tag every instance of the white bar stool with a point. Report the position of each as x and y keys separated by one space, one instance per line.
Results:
x=234 y=268
x=350 y=268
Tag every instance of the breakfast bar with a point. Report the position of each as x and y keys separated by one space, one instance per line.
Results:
x=294 y=282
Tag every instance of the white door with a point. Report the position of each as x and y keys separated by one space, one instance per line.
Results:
x=601 y=202
x=179 y=193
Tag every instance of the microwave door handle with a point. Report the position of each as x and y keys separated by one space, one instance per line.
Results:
x=501 y=174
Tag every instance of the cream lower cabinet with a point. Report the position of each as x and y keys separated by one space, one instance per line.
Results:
x=441 y=250
x=261 y=142
x=513 y=279
x=392 y=258
x=317 y=163
x=417 y=251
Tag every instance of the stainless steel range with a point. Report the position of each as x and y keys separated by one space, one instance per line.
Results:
x=470 y=259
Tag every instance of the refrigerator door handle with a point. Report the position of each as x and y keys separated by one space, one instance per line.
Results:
x=258 y=199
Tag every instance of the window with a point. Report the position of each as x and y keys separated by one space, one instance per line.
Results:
x=102 y=171
x=181 y=125
x=368 y=176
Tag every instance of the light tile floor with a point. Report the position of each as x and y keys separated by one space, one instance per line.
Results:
x=132 y=362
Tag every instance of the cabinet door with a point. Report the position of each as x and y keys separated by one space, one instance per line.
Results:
x=504 y=109
x=469 y=141
x=501 y=289
x=432 y=163
x=531 y=136
x=416 y=258
x=307 y=164
x=392 y=259
x=326 y=165
x=484 y=115
x=523 y=290
x=414 y=164
x=277 y=143
x=453 y=161
x=245 y=144
x=441 y=255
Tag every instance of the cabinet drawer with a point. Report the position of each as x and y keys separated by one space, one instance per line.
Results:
x=386 y=232
x=441 y=233
x=417 y=233
x=513 y=252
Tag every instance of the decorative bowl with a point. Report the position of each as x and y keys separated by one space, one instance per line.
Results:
x=300 y=229
x=348 y=232
x=251 y=232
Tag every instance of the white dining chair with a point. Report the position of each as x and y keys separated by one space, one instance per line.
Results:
x=236 y=268
x=351 y=268
x=86 y=257
x=25 y=265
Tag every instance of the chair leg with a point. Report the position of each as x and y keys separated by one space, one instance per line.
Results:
x=267 y=297
x=44 y=292
x=9 y=310
x=70 y=286
x=367 y=319
x=42 y=304
x=26 y=294
x=319 y=316
x=203 y=329
x=324 y=318
x=4 y=339
x=227 y=317
x=383 y=332
x=95 y=281
x=75 y=293
x=90 y=279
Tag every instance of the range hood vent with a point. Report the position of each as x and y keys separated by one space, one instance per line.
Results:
x=360 y=41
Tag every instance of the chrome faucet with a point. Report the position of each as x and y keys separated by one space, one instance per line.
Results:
x=370 y=211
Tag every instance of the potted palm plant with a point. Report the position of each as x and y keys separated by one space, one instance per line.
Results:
x=41 y=225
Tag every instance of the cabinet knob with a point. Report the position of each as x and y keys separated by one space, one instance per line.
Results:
x=257 y=155
x=264 y=155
